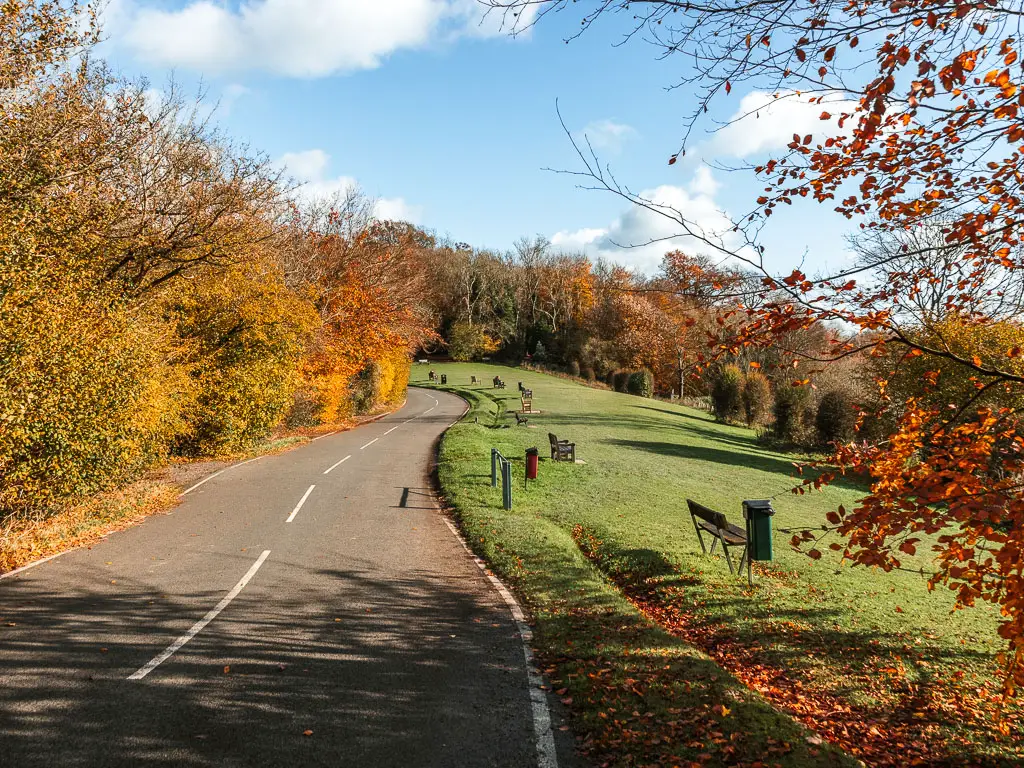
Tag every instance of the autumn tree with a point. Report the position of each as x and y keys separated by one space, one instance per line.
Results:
x=366 y=279
x=921 y=127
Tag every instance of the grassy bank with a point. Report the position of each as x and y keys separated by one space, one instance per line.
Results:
x=657 y=648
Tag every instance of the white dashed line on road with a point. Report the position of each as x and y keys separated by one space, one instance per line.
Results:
x=335 y=466
x=299 y=505
x=369 y=444
x=198 y=626
x=390 y=431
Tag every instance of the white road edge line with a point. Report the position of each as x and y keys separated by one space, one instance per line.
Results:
x=369 y=444
x=218 y=474
x=198 y=626
x=24 y=568
x=204 y=481
x=323 y=436
x=299 y=505
x=335 y=466
x=546 y=755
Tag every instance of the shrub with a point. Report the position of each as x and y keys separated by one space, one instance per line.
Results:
x=620 y=381
x=727 y=393
x=791 y=409
x=393 y=382
x=540 y=352
x=84 y=400
x=246 y=333
x=836 y=417
x=574 y=368
x=757 y=397
x=362 y=388
x=470 y=342
x=587 y=373
x=641 y=383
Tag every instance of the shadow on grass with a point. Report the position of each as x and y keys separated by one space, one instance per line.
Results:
x=748 y=460
x=678 y=414
x=647 y=698
x=711 y=455
x=872 y=689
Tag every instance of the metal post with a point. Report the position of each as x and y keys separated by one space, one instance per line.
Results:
x=682 y=376
x=494 y=467
x=507 y=483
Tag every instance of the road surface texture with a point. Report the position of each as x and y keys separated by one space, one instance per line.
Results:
x=342 y=624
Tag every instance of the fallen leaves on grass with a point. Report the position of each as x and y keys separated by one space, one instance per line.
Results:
x=27 y=538
x=892 y=721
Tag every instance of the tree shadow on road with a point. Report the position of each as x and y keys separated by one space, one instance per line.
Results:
x=384 y=670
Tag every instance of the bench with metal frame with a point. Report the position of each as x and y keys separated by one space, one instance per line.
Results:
x=721 y=530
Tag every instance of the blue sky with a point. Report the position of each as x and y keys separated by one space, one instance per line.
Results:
x=451 y=123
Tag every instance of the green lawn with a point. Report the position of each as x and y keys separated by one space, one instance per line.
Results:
x=650 y=643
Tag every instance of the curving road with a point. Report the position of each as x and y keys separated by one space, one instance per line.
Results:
x=311 y=608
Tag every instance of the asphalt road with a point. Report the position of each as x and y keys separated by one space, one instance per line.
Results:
x=363 y=620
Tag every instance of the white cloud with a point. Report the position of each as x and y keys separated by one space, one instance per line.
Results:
x=703 y=182
x=396 y=209
x=310 y=170
x=297 y=38
x=607 y=135
x=764 y=123
x=233 y=92
x=306 y=166
x=580 y=240
x=640 y=236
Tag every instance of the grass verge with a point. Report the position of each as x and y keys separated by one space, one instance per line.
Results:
x=663 y=657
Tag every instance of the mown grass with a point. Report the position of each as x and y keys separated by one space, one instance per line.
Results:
x=639 y=627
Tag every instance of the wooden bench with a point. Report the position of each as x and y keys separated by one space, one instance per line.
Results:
x=472 y=379
x=562 y=449
x=527 y=401
x=708 y=521
x=498 y=383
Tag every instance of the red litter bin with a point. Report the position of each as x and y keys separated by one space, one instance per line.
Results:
x=532 y=460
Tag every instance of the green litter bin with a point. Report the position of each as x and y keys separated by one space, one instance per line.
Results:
x=758 y=514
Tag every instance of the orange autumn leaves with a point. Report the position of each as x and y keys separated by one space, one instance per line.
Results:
x=155 y=296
